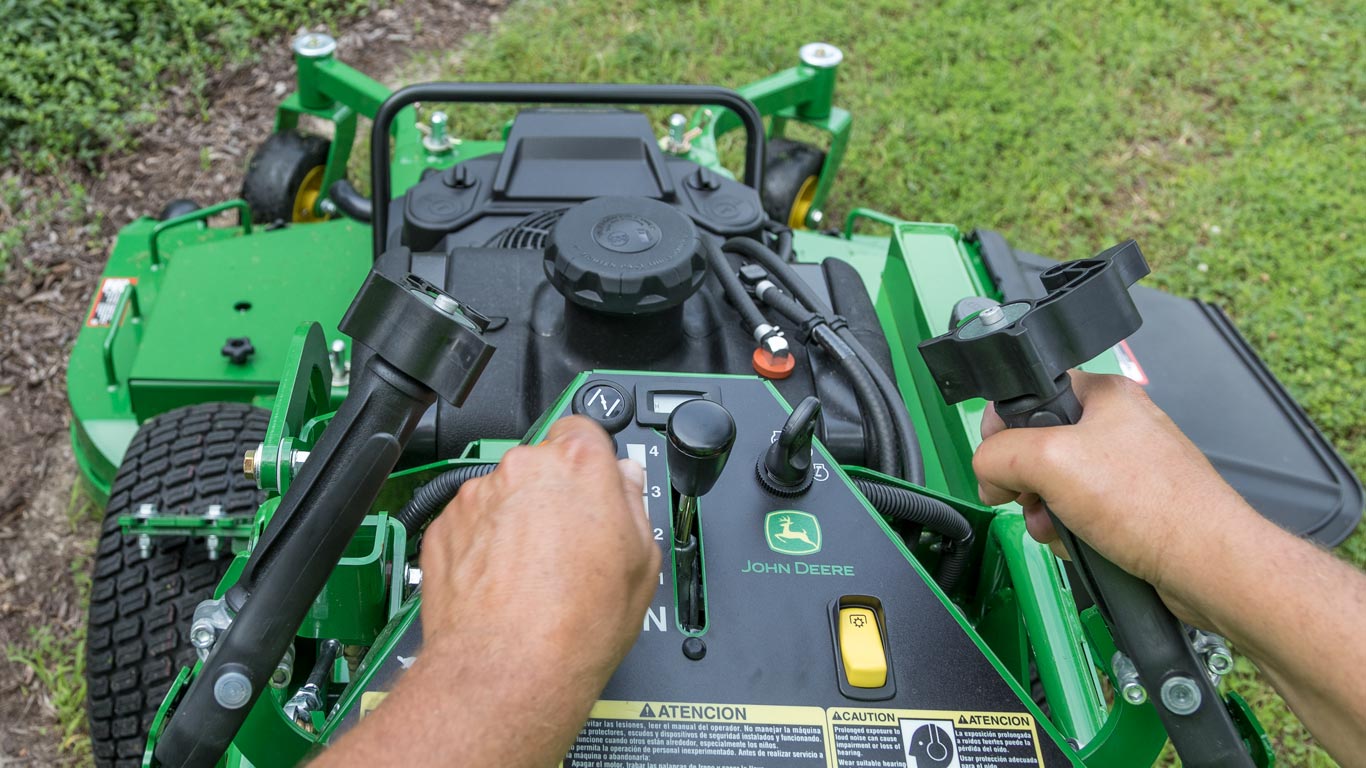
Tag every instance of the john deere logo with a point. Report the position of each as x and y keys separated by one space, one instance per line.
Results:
x=789 y=532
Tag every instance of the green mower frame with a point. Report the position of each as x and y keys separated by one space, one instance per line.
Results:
x=175 y=291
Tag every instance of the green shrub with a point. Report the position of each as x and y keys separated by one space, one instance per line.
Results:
x=76 y=74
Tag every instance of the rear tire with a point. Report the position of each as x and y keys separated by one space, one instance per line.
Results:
x=140 y=609
x=284 y=178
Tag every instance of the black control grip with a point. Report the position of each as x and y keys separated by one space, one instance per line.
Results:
x=292 y=563
x=1143 y=627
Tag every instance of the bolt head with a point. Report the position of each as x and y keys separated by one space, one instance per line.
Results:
x=232 y=690
x=314 y=45
x=816 y=218
x=1181 y=695
x=1134 y=693
x=202 y=636
x=821 y=55
x=1219 y=663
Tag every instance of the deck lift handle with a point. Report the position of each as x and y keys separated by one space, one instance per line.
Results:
x=1018 y=356
x=426 y=345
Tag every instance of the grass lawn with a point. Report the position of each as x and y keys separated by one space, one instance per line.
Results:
x=1227 y=138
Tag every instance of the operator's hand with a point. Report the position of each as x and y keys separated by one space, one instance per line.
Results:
x=1127 y=481
x=535 y=583
x=550 y=557
x=1124 y=478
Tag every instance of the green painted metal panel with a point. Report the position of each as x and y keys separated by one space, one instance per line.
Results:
x=260 y=287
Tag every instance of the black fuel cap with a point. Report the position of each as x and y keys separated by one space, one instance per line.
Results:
x=625 y=256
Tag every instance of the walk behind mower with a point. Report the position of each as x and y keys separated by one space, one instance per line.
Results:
x=275 y=410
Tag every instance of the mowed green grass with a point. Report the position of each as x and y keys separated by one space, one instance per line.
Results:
x=1229 y=139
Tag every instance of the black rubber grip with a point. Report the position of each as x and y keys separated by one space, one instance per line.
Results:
x=1144 y=628
x=317 y=518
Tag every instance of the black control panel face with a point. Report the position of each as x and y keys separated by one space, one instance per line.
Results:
x=821 y=645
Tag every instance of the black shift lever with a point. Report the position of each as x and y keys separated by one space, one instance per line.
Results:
x=1018 y=355
x=701 y=434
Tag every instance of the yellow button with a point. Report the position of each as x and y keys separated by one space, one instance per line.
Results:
x=865 y=664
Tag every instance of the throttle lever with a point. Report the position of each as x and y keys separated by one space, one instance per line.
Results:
x=1018 y=355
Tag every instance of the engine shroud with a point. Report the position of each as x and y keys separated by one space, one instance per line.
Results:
x=487 y=231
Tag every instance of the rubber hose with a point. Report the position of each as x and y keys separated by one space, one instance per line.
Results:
x=350 y=202
x=881 y=429
x=879 y=424
x=908 y=506
x=911 y=456
x=432 y=497
x=734 y=289
x=877 y=444
x=913 y=460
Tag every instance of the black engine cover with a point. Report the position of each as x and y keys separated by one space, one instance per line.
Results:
x=481 y=228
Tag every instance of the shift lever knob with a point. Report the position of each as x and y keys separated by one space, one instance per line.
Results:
x=701 y=433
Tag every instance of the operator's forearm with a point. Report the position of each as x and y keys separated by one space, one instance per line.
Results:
x=1292 y=608
x=470 y=709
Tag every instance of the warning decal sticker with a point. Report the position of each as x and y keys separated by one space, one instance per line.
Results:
x=107 y=300
x=930 y=739
x=628 y=734
x=622 y=734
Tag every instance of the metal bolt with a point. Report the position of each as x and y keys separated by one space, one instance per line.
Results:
x=1219 y=661
x=314 y=45
x=776 y=345
x=283 y=671
x=1212 y=648
x=677 y=141
x=251 y=463
x=232 y=690
x=437 y=139
x=145 y=512
x=1126 y=678
x=412 y=577
x=446 y=304
x=1181 y=695
x=820 y=55
x=816 y=218
x=341 y=369
x=991 y=316
x=202 y=635
x=212 y=543
x=328 y=207
x=296 y=460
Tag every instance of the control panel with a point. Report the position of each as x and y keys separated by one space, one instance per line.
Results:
x=790 y=626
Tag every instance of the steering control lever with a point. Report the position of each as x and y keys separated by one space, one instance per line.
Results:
x=700 y=435
x=426 y=345
x=1018 y=355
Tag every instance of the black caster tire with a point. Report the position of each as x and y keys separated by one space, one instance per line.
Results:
x=790 y=175
x=284 y=178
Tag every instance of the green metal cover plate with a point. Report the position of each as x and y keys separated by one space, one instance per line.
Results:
x=260 y=287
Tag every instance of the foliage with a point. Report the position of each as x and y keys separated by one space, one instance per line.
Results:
x=1226 y=137
x=76 y=75
x=56 y=664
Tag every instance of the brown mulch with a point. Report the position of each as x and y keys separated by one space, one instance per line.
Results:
x=47 y=531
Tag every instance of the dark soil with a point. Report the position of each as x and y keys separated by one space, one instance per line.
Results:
x=47 y=528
